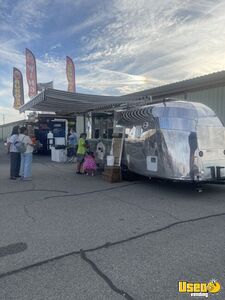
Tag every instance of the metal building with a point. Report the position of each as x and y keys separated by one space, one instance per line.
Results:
x=208 y=89
x=6 y=129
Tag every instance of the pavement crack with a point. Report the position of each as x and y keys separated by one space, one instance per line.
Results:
x=141 y=208
x=104 y=277
x=27 y=213
x=33 y=190
x=91 y=192
x=25 y=206
x=110 y=244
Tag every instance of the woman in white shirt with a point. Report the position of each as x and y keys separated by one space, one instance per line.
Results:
x=26 y=157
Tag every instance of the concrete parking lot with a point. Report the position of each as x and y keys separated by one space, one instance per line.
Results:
x=67 y=236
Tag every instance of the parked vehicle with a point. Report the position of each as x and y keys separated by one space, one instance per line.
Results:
x=176 y=140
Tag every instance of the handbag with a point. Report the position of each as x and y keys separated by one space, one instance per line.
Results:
x=20 y=146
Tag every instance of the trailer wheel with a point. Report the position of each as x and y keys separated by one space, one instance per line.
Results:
x=126 y=174
x=199 y=188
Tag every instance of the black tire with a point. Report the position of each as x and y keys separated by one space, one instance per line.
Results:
x=127 y=175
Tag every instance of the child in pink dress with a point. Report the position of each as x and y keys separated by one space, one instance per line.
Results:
x=89 y=164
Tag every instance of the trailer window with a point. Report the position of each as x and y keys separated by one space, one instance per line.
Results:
x=175 y=112
x=177 y=124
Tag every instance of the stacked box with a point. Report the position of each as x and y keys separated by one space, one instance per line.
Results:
x=112 y=174
x=117 y=144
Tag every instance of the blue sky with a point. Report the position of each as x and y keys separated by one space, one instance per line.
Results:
x=118 y=46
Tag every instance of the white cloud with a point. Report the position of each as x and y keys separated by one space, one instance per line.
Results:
x=154 y=38
x=22 y=20
x=58 y=45
x=105 y=80
x=73 y=29
x=8 y=115
x=130 y=45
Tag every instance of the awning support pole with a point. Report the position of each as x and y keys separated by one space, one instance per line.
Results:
x=84 y=123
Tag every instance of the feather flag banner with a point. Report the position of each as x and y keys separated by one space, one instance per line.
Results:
x=18 y=93
x=70 y=72
x=31 y=73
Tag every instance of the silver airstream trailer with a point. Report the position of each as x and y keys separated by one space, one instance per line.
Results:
x=176 y=140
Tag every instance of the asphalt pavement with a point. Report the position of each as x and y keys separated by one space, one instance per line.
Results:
x=68 y=236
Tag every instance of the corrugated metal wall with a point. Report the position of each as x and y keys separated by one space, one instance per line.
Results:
x=213 y=97
x=6 y=130
x=178 y=97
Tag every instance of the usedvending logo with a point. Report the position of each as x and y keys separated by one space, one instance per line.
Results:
x=199 y=289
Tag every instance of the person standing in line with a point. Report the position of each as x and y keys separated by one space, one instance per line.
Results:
x=14 y=153
x=27 y=156
x=72 y=141
x=81 y=151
